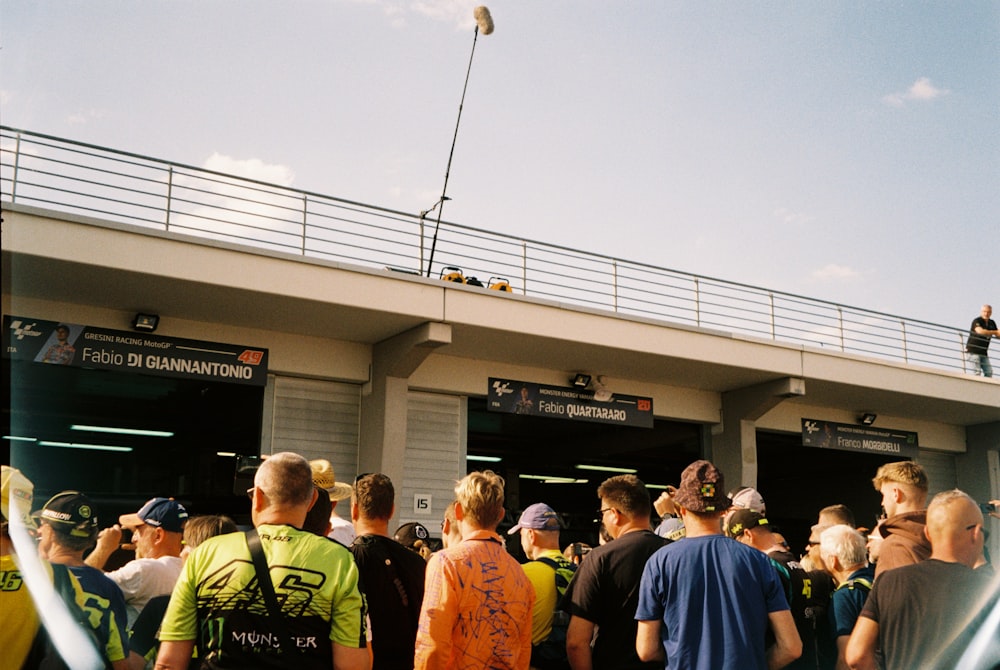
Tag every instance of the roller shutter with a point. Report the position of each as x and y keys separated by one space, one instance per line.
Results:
x=315 y=418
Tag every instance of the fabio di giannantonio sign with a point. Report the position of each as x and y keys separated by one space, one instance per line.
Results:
x=557 y=402
x=58 y=343
x=849 y=437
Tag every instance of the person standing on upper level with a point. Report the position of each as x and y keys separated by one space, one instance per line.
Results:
x=977 y=346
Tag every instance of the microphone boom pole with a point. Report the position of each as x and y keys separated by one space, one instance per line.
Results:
x=482 y=18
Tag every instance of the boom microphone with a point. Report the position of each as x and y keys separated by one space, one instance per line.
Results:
x=484 y=25
x=483 y=19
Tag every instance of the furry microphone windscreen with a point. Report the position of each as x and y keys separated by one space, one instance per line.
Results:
x=483 y=19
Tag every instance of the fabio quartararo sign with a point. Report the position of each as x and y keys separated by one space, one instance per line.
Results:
x=558 y=402
x=57 y=343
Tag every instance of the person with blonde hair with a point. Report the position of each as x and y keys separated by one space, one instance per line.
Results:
x=477 y=600
x=903 y=486
x=451 y=534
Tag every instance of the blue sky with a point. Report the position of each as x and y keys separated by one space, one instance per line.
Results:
x=847 y=151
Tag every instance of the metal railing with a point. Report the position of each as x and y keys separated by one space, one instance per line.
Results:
x=73 y=177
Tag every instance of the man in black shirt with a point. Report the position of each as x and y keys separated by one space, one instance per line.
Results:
x=604 y=592
x=392 y=576
x=978 y=344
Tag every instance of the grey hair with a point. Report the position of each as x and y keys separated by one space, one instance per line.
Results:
x=847 y=544
x=286 y=479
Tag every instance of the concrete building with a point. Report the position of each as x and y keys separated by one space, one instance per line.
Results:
x=381 y=370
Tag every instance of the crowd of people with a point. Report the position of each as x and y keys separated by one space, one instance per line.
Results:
x=698 y=578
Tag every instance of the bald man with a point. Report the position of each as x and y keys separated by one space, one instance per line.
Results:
x=917 y=610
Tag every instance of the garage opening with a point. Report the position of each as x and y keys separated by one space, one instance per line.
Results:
x=561 y=463
x=123 y=438
x=798 y=481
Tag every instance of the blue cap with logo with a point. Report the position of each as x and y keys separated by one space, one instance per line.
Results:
x=165 y=513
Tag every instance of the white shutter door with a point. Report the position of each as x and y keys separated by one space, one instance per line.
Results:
x=435 y=455
x=318 y=419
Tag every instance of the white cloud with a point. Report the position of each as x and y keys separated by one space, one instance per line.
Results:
x=85 y=116
x=835 y=272
x=922 y=90
x=5 y=97
x=456 y=12
x=792 y=218
x=251 y=168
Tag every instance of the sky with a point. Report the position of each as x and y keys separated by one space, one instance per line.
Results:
x=844 y=151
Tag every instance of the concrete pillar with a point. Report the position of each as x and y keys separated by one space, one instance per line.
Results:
x=384 y=398
x=734 y=440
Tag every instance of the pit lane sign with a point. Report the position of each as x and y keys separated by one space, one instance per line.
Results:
x=850 y=437
x=557 y=402
x=58 y=343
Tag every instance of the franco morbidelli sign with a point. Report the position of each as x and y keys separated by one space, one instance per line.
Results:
x=558 y=402
x=849 y=437
x=58 y=343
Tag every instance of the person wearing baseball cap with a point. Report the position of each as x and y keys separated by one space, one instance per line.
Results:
x=708 y=592
x=157 y=533
x=67 y=528
x=550 y=573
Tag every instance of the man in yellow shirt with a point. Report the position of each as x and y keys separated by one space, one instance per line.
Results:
x=18 y=617
x=549 y=573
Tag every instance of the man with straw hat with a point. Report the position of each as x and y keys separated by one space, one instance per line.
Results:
x=324 y=478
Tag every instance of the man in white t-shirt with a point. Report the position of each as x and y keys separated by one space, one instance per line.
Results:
x=157 y=533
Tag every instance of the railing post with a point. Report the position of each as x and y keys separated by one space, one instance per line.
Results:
x=305 y=215
x=170 y=197
x=840 y=321
x=906 y=357
x=697 y=302
x=961 y=353
x=17 y=163
x=524 y=267
x=421 y=254
x=614 y=285
x=770 y=298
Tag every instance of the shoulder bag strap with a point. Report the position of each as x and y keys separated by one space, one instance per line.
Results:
x=267 y=587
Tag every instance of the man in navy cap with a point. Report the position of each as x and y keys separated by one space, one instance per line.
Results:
x=549 y=573
x=157 y=533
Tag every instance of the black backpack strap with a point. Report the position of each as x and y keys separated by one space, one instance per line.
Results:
x=266 y=587
x=382 y=556
x=561 y=581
